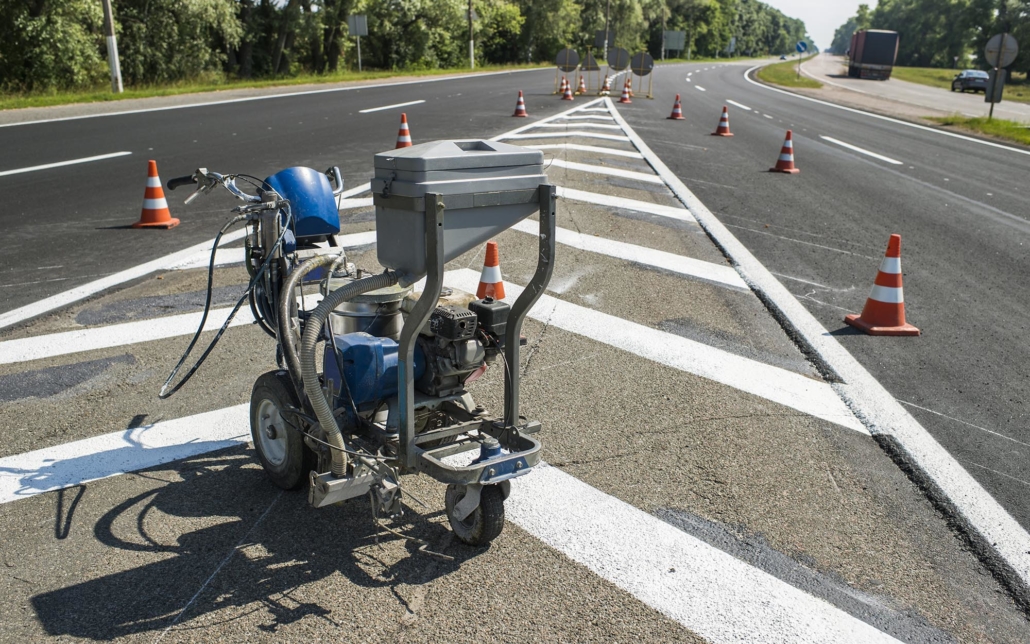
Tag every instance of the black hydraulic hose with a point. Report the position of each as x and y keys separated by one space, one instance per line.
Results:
x=165 y=391
x=284 y=326
x=309 y=370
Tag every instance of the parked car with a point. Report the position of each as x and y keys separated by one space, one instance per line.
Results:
x=973 y=79
x=782 y=57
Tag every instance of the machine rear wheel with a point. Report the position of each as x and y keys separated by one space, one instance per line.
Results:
x=280 y=448
x=485 y=523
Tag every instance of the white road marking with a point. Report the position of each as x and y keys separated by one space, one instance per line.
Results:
x=347 y=204
x=247 y=99
x=599 y=126
x=588 y=117
x=880 y=411
x=593 y=109
x=719 y=274
x=611 y=201
x=225 y=257
x=712 y=593
x=688 y=80
x=698 y=87
x=92 y=288
x=390 y=107
x=787 y=388
x=612 y=172
x=767 y=116
x=47 y=166
x=741 y=106
x=860 y=150
x=90 y=459
x=747 y=77
x=587 y=148
x=560 y=135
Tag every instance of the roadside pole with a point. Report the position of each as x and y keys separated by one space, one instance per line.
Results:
x=357 y=26
x=112 y=49
x=1000 y=52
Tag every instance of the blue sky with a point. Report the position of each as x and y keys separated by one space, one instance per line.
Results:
x=822 y=17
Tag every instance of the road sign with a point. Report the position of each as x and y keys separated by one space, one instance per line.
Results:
x=995 y=87
x=618 y=58
x=642 y=64
x=567 y=60
x=732 y=46
x=589 y=64
x=1001 y=50
x=802 y=46
x=600 y=42
x=357 y=25
x=675 y=40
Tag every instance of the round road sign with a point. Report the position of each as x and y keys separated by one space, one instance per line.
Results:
x=642 y=64
x=1001 y=50
x=618 y=58
x=802 y=46
x=568 y=60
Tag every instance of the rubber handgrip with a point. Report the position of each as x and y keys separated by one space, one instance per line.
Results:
x=180 y=181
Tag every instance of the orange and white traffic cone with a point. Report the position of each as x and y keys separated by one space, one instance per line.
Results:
x=629 y=84
x=155 y=212
x=677 y=110
x=490 y=282
x=567 y=96
x=520 y=107
x=785 y=163
x=582 y=87
x=884 y=312
x=625 y=93
x=403 y=134
x=606 y=89
x=564 y=84
x=724 y=124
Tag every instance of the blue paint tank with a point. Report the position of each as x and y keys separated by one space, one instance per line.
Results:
x=311 y=200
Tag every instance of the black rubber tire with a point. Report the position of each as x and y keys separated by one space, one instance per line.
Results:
x=485 y=523
x=292 y=472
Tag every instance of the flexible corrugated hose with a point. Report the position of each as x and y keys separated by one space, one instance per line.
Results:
x=309 y=373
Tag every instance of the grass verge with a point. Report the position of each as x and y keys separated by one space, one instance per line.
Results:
x=786 y=75
x=1000 y=128
x=1016 y=89
x=16 y=101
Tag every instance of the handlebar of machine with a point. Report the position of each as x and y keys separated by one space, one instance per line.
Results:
x=180 y=181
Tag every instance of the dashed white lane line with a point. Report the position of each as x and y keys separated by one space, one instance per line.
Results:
x=719 y=274
x=767 y=116
x=699 y=88
x=597 y=126
x=587 y=148
x=741 y=106
x=688 y=79
x=612 y=172
x=882 y=413
x=560 y=135
x=611 y=201
x=787 y=388
x=860 y=150
x=60 y=164
x=712 y=593
x=390 y=107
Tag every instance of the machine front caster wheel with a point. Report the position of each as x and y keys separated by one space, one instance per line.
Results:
x=280 y=448
x=486 y=521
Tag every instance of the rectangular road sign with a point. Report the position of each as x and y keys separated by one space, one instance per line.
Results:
x=357 y=25
x=675 y=40
x=599 y=42
x=995 y=86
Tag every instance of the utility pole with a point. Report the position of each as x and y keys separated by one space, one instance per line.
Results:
x=112 y=49
x=663 y=30
x=607 y=15
x=472 y=44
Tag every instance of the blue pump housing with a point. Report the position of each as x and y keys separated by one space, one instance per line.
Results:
x=369 y=365
x=311 y=200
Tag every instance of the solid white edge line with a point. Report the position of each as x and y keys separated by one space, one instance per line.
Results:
x=860 y=150
x=747 y=77
x=740 y=105
x=612 y=172
x=719 y=274
x=47 y=166
x=390 y=107
x=247 y=99
x=872 y=403
x=810 y=396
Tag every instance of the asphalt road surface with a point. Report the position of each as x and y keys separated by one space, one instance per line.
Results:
x=719 y=469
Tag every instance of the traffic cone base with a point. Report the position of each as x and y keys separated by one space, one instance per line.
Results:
x=155 y=213
x=677 y=110
x=403 y=134
x=520 y=107
x=490 y=282
x=884 y=311
x=785 y=163
x=724 y=124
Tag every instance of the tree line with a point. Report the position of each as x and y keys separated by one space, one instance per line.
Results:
x=943 y=33
x=48 y=45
